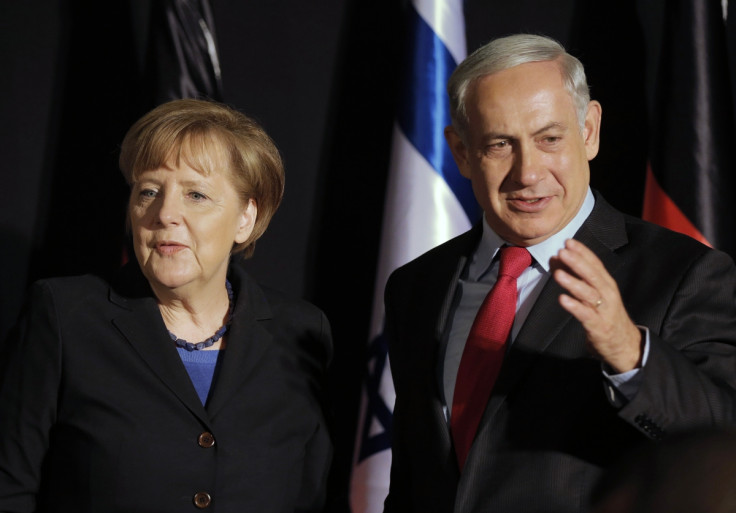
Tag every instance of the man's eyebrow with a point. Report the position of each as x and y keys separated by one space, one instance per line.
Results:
x=496 y=135
x=552 y=126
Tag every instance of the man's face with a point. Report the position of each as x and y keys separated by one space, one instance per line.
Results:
x=525 y=153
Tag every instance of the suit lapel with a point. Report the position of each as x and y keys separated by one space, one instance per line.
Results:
x=446 y=278
x=440 y=303
x=440 y=335
x=248 y=340
x=603 y=232
x=141 y=324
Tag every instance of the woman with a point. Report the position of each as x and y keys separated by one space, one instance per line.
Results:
x=181 y=385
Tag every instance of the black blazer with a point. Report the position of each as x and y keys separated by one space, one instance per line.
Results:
x=552 y=423
x=98 y=413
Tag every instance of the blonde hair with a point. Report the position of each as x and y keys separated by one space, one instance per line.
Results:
x=208 y=136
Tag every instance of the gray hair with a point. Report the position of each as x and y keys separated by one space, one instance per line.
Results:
x=507 y=52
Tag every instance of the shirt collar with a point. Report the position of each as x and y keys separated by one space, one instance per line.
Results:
x=490 y=242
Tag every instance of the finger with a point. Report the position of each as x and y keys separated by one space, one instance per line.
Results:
x=581 y=249
x=579 y=289
x=583 y=263
x=618 y=344
x=582 y=311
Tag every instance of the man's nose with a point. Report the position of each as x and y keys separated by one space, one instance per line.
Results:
x=528 y=167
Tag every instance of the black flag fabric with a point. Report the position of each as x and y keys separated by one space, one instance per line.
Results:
x=185 y=60
x=181 y=57
x=690 y=183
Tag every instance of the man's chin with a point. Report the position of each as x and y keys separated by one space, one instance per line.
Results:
x=523 y=236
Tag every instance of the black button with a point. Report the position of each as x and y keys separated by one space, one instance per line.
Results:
x=649 y=426
x=206 y=440
x=202 y=499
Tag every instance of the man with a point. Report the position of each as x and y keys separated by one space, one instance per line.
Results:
x=621 y=331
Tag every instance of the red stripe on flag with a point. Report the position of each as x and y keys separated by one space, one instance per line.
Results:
x=660 y=209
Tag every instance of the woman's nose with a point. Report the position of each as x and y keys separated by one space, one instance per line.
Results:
x=169 y=211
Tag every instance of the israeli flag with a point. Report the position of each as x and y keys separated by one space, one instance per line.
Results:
x=427 y=203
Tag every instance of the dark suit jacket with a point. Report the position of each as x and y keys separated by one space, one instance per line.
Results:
x=552 y=423
x=98 y=413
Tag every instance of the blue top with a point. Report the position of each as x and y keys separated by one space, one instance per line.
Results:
x=201 y=366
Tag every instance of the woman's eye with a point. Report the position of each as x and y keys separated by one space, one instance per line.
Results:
x=147 y=193
x=197 y=196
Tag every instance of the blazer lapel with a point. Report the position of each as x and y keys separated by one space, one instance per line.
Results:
x=603 y=232
x=440 y=335
x=441 y=299
x=142 y=326
x=446 y=279
x=248 y=340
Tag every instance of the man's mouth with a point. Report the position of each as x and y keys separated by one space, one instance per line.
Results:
x=530 y=205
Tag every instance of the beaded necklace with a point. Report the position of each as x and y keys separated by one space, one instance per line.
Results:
x=218 y=334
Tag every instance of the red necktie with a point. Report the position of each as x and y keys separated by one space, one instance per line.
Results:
x=484 y=350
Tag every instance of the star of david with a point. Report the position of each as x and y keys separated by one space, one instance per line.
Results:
x=377 y=409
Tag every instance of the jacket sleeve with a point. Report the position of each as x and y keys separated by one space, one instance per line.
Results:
x=689 y=379
x=29 y=385
x=398 y=499
x=318 y=454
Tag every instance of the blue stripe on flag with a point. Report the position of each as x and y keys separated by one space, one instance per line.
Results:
x=423 y=113
x=424 y=109
x=377 y=410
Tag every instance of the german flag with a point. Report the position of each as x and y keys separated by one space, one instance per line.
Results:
x=691 y=180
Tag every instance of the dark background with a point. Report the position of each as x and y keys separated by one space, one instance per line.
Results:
x=320 y=76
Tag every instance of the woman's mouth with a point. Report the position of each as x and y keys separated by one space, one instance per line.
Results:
x=169 y=247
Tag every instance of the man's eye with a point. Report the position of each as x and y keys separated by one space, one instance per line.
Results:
x=498 y=145
x=147 y=193
x=498 y=148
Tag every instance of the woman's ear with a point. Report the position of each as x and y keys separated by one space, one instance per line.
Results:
x=247 y=221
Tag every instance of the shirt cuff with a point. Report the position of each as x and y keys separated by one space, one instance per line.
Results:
x=627 y=383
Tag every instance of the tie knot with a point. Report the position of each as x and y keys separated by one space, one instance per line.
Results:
x=513 y=261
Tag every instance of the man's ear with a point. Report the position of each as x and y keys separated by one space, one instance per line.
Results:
x=592 y=129
x=458 y=149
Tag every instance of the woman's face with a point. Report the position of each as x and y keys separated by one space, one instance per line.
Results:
x=184 y=226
